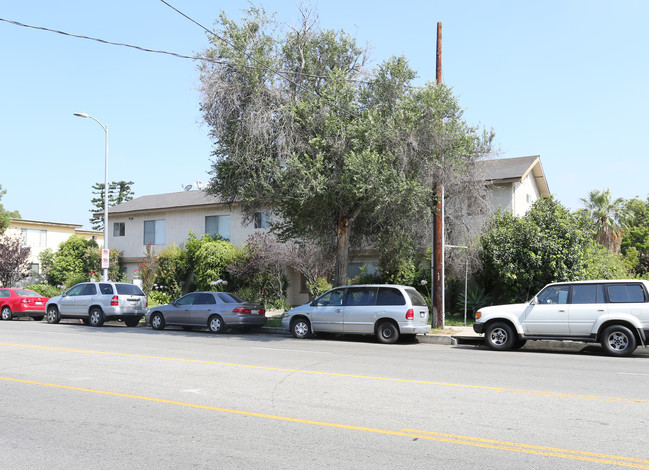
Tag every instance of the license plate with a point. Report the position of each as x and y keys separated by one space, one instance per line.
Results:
x=39 y=303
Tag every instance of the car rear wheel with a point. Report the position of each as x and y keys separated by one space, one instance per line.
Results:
x=387 y=332
x=500 y=336
x=301 y=328
x=6 y=313
x=53 y=315
x=157 y=321
x=216 y=324
x=618 y=340
x=132 y=322
x=96 y=317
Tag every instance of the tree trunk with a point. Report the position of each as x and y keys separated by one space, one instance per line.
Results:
x=342 y=250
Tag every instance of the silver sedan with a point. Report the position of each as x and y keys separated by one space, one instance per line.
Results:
x=216 y=311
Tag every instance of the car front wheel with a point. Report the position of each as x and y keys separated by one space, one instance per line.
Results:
x=96 y=317
x=618 y=340
x=6 y=313
x=53 y=314
x=300 y=328
x=157 y=321
x=500 y=336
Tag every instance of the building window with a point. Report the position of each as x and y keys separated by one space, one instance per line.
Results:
x=262 y=220
x=34 y=238
x=154 y=232
x=119 y=229
x=34 y=268
x=218 y=225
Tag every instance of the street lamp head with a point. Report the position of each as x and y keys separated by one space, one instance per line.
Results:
x=83 y=115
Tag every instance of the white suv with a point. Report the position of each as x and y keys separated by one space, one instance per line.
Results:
x=97 y=302
x=613 y=313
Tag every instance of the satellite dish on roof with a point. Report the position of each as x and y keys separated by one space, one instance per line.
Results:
x=200 y=184
x=186 y=187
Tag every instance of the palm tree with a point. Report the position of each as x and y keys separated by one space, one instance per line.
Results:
x=608 y=215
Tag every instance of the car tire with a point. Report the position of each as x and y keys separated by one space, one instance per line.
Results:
x=301 y=328
x=132 y=322
x=216 y=324
x=96 y=317
x=53 y=316
x=157 y=321
x=387 y=332
x=618 y=340
x=38 y=318
x=500 y=336
x=6 y=313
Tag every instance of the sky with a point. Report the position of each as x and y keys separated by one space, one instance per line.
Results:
x=566 y=80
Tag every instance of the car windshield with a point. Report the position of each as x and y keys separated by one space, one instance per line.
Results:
x=128 y=289
x=27 y=293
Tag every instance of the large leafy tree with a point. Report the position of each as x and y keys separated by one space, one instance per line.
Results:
x=549 y=244
x=609 y=216
x=635 y=240
x=343 y=155
x=6 y=216
x=118 y=192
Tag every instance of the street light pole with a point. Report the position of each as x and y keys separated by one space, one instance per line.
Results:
x=105 y=128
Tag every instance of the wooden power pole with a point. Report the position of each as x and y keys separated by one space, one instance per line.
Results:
x=438 y=220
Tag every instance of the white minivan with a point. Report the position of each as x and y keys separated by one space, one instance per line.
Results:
x=614 y=313
x=385 y=310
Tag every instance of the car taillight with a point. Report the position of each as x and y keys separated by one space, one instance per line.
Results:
x=146 y=303
x=241 y=310
x=26 y=301
x=114 y=302
x=410 y=314
x=262 y=311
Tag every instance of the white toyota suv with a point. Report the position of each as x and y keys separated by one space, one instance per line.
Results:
x=613 y=313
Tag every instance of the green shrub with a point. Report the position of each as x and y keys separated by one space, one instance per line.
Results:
x=158 y=298
x=45 y=290
x=318 y=287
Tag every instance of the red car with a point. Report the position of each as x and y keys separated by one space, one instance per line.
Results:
x=21 y=303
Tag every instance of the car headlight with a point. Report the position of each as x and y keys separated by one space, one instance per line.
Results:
x=478 y=314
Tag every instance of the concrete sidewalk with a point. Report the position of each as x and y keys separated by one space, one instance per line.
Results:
x=453 y=335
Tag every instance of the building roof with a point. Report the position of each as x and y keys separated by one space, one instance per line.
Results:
x=43 y=222
x=163 y=202
x=504 y=170
x=510 y=170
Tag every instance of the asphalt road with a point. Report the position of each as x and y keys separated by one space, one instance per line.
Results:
x=77 y=397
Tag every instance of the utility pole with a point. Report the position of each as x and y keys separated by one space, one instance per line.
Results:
x=438 y=220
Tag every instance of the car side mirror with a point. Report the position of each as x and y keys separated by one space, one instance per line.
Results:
x=312 y=303
x=64 y=293
x=534 y=301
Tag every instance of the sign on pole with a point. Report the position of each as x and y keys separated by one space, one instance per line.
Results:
x=105 y=258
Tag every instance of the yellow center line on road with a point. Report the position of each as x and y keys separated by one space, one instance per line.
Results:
x=336 y=374
x=534 y=449
x=432 y=436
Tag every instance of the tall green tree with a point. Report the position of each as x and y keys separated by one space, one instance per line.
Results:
x=342 y=154
x=549 y=244
x=608 y=215
x=118 y=192
x=6 y=216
